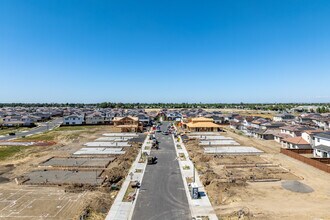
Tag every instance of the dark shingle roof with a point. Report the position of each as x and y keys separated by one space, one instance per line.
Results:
x=323 y=135
x=323 y=148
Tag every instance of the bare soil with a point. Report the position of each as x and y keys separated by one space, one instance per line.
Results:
x=96 y=201
x=250 y=187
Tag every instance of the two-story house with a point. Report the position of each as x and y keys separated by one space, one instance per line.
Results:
x=73 y=120
x=322 y=145
x=144 y=119
x=95 y=118
x=283 y=117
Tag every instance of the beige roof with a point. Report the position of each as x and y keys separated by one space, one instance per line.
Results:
x=203 y=125
x=201 y=119
x=130 y=117
x=126 y=126
x=296 y=140
x=313 y=131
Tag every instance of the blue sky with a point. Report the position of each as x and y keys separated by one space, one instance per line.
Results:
x=165 y=51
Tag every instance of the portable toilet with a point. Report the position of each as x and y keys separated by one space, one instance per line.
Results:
x=194 y=191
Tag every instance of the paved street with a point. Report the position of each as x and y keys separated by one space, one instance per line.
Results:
x=43 y=126
x=162 y=195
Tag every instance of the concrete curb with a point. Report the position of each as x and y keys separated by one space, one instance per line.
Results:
x=198 y=207
x=119 y=209
x=142 y=174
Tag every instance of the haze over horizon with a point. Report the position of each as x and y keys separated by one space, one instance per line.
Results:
x=170 y=51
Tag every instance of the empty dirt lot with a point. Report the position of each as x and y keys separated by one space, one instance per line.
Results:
x=253 y=186
x=67 y=201
x=21 y=202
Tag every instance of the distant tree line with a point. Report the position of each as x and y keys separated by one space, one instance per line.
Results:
x=43 y=105
x=322 y=107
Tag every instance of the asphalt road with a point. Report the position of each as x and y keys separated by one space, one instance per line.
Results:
x=162 y=195
x=43 y=126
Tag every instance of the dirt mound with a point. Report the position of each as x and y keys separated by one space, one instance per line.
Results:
x=99 y=205
x=3 y=180
x=77 y=188
x=115 y=174
x=208 y=177
x=119 y=169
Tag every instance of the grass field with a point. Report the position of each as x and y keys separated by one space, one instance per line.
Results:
x=66 y=134
x=47 y=136
x=5 y=130
x=79 y=128
x=10 y=151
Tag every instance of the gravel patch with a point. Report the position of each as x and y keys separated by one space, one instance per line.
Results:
x=296 y=186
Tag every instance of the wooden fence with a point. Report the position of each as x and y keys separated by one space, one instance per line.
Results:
x=323 y=160
x=302 y=151
x=315 y=163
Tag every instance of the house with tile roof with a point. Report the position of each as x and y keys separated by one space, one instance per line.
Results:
x=295 y=143
x=294 y=130
x=308 y=135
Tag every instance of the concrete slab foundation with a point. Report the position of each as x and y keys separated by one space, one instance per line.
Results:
x=79 y=162
x=218 y=142
x=207 y=137
x=232 y=150
x=120 y=134
x=113 y=139
x=99 y=151
x=63 y=177
x=107 y=144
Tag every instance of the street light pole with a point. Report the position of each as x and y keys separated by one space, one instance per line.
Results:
x=194 y=171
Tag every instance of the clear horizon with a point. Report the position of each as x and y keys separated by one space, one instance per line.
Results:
x=70 y=51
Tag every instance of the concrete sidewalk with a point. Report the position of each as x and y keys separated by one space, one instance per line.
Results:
x=198 y=207
x=123 y=210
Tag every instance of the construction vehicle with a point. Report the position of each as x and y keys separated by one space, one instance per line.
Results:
x=151 y=160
